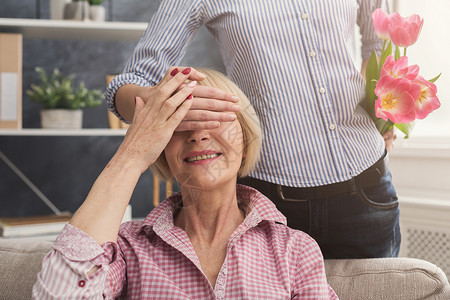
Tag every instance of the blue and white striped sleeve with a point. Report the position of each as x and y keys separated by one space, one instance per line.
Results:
x=162 y=45
x=369 y=39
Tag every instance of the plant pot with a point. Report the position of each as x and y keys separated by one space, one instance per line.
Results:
x=97 y=13
x=57 y=9
x=62 y=118
x=76 y=11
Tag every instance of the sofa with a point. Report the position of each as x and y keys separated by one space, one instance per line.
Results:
x=352 y=279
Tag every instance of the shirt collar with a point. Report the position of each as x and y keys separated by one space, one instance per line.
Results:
x=257 y=207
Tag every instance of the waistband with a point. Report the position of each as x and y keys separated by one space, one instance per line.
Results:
x=368 y=178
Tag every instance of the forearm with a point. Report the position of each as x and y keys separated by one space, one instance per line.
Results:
x=101 y=213
x=124 y=99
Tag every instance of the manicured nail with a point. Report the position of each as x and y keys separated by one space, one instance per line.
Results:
x=235 y=107
x=189 y=97
x=234 y=98
x=192 y=84
x=203 y=76
x=232 y=117
x=186 y=71
x=174 y=72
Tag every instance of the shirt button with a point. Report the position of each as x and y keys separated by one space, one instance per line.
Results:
x=322 y=90
x=312 y=53
x=332 y=127
x=81 y=283
x=304 y=16
x=225 y=271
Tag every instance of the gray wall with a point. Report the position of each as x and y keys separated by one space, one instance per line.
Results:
x=64 y=168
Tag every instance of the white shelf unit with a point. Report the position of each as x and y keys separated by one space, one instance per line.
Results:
x=63 y=132
x=66 y=30
x=71 y=30
x=74 y=30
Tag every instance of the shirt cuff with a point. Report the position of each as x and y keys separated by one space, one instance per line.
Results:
x=76 y=245
x=116 y=83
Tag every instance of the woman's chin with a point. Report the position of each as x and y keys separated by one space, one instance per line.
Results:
x=205 y=182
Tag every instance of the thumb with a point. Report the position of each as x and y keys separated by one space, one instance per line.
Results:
x=139 y=105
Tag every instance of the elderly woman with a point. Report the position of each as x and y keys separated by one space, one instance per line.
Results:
x=213 y=240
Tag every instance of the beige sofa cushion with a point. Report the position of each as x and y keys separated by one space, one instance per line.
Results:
x=387 y=278
x=20 y=261
x=363 y=279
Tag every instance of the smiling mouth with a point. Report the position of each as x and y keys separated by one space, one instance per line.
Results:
x=202 y=157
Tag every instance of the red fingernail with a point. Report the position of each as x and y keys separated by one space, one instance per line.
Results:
x=174 y=72
x=189 y=97
x=186 y=71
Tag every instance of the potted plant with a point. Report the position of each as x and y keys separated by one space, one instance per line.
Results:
x=96 y=10
x=61 y=101
x=76 y=10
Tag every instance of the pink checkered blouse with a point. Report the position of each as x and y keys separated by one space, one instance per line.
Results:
x=153 y=259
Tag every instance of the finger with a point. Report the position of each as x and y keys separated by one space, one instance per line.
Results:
x=165 y=90
x=172 y=104
x=214 y=105
x=139 y=106
x=194 y=75
x=197 y=125
x=214 y=93
x=178 y=116
x=205 y=115
x=171 y=72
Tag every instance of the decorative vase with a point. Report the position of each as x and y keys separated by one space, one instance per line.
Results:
x=57 y=9
x=78 y=10
x=62 y=118
x=97 y=13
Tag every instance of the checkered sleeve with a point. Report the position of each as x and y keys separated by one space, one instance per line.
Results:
x=310 y=279
x=65 y=269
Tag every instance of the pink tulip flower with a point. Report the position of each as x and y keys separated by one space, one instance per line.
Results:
x=381 y=24
x=427 y=101
x=404 y=31
x=399 y=68
x=396 y=99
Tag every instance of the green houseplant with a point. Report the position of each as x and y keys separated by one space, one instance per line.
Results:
x=96 y=10
x=61 y=101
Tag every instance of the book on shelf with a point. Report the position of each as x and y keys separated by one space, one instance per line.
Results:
x=47 y=225
x=11 y=80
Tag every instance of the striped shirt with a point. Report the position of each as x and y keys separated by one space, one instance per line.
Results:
x=295 y=61
x=153 y=259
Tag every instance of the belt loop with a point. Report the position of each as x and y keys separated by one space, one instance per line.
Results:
x=352 y=186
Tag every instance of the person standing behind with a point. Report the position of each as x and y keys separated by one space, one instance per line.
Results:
x=323 y=162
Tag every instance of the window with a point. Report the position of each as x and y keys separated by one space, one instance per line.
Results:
x=430 y=52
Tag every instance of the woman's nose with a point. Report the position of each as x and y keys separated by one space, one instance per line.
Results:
x=197 y=136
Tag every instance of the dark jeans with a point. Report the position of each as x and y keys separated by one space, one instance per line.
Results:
x=363 y=225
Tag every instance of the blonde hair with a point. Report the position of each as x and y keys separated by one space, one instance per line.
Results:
x=251 y=130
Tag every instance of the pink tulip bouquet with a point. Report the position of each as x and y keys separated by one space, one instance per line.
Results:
x=396 y=93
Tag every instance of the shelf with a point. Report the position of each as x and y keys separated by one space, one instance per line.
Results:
x=74 y=30
x=63 y=132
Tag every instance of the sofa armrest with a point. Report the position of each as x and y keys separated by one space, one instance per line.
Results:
x=20 y=261
x=387 y=278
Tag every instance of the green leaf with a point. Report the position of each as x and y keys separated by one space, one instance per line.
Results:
x=405 y=128
x=371 y=81
x=397 y=53
x=435 y=78
x=383 y=57
x=383 y=125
